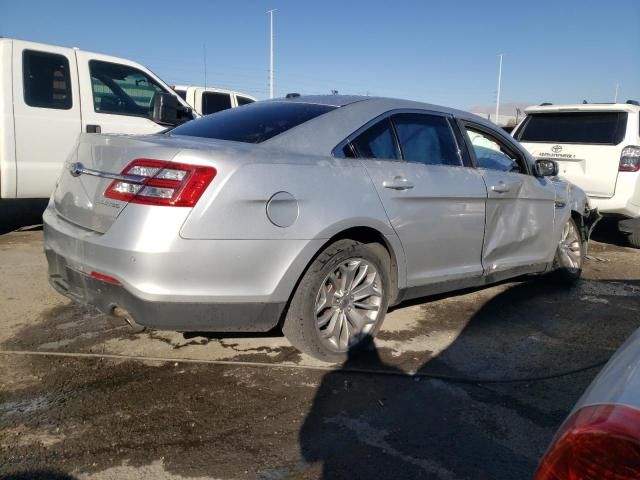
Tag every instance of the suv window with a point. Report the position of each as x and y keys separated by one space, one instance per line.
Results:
x=254 y=123
x=213 y=102
x=426 y=139
x=122 y=90
x=46 y=80
x=243 y=100
x=377 y=141
x=606 y=128
x=492 y=154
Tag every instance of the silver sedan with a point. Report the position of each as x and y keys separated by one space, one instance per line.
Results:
x=313 y=214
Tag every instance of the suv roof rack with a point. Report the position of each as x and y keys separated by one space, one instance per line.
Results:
x=633 y=102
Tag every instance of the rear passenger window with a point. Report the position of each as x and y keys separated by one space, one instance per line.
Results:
x=213 y=102
x=46 y=80
x=377 y=142
x=426 y=139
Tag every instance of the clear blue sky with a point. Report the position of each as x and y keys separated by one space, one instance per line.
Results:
x=438 y=51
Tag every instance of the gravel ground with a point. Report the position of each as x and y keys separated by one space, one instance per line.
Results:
x=465 y=386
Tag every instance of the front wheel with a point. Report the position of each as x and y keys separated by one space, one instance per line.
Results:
x=341 y=301
x=570 y=253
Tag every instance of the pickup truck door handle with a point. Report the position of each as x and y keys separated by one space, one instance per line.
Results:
x=93 y=129
x=398 y=183
x=501 y=187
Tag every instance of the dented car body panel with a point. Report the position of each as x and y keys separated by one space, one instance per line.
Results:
x=234 y=258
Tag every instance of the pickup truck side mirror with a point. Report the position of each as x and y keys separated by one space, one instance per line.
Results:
x=546 y=168
x=166 y=110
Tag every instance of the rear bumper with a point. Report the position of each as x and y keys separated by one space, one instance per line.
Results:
x=167 y=282
x=626 y=201
x=179 y=316
x=629 y=226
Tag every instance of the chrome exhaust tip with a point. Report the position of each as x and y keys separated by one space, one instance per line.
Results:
x=126 y=316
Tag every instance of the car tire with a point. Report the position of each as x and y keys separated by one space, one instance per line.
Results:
x=570 y=253
x=328 y=316
x=634 y=239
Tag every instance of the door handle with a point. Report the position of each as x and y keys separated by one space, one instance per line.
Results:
x=398 y=183
x=501 y=187
x=93 y=129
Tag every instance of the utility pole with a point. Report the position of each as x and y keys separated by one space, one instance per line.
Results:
x=270 y=12
x=498 y=95
x=615 y=98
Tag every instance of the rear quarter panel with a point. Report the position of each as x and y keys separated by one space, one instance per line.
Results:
x=331 y=195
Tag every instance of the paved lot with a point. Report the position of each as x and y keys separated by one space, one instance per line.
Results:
x=470 y=386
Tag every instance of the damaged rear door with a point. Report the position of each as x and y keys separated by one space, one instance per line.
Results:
x=520 y=207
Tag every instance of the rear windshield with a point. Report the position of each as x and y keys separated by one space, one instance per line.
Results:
x=253 y=123
x=606 y=128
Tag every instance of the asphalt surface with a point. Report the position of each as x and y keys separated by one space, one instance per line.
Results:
x=464 y=386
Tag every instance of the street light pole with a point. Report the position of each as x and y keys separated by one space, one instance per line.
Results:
x=498 y=95
x=270 y=12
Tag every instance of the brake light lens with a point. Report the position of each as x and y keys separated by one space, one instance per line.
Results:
x=105 y=278
x=630 y=159
x=600 y=442
x=159 y=182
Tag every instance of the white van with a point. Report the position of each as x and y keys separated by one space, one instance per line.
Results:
x=597 y=147
x=49 y=95
x=211 y=100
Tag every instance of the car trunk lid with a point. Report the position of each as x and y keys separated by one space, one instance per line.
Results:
x=79 y=195
x=594 y=168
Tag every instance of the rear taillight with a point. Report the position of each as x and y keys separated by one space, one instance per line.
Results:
x=630 y=159
x=158 y=182
x=600 y=442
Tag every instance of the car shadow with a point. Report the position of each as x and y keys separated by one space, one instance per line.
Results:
x=487 y=406
x=21 y=213
x=606 y=231
x=38 y=475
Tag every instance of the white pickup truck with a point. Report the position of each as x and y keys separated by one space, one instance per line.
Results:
x=211 y=100
x=50 y=94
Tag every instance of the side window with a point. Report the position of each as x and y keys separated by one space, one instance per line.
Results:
x=181 y=93
x=121 y=90
x=426 y=139
x=492 y=154
x=46 y=80
x=213 y=102
x=243 y=100
x=377 y=141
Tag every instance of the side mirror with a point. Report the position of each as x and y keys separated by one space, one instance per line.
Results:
x=546 y=168
x=167 y=110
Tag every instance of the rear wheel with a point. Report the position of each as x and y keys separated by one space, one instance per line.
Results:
x=341 y=300
x=634 y=238
x=570 y=253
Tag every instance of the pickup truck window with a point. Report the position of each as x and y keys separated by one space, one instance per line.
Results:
x=243 y=100
x=46 y=80
x=122 y=90
x=213 y=102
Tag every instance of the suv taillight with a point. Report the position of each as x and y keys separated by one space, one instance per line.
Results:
x=158 y=182
x=630 y=159
x=600 y=442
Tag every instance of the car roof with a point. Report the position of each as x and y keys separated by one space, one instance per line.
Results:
x=321 y=134
x=584 y=107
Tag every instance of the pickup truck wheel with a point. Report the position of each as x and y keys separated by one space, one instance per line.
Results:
x=634 y=239
x=569 y=253
x=341 y=301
